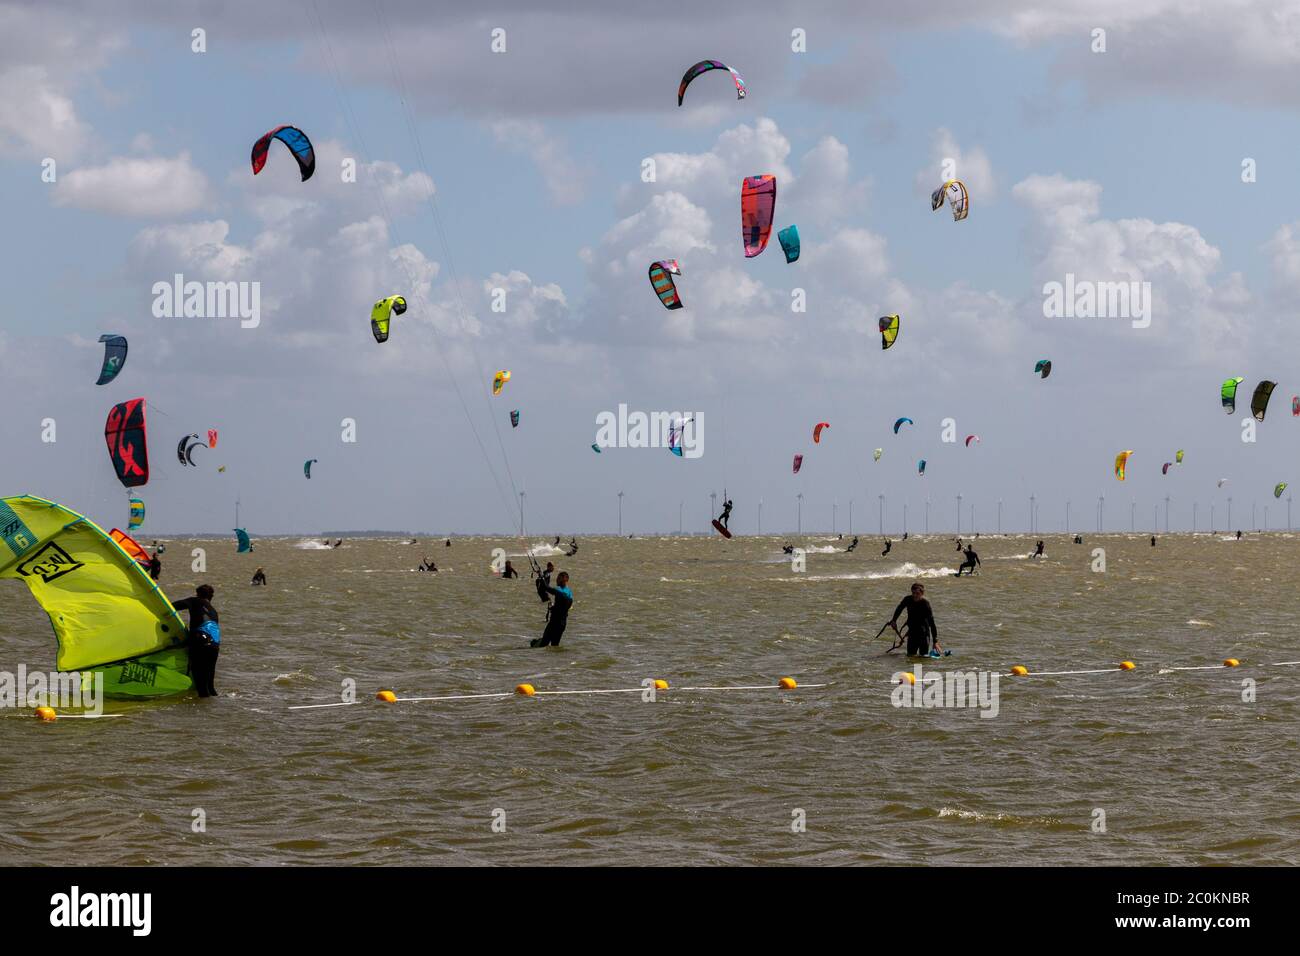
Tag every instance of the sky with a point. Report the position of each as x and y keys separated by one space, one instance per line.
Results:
x=519 y=165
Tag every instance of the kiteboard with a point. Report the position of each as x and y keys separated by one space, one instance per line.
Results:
x=720 y=529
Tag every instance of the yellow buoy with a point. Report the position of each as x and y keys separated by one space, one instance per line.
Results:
x=1231 y=662
x=1020 y=671
x=387 y=696
x=1126 y=665
x=46 y=713
x=787 y=683
x=905 y=677
x=526 y=689
x=661 y=685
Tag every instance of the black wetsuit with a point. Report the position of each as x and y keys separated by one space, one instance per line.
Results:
x=972 y=561
x=510 y=572
x=888 y=544
x=851 y=546
x=203 y=652
x=726 y=514
x=155 y=567
x=558 y=616
x=259 y=578
x=920 y=625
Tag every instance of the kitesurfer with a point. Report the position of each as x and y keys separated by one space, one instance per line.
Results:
x=888 y=544
x=557 y=616
x=1238 y=535
x=556 y=543
x=510 y=571
x=544 y=581
x=852 y=544
x=972 y=561
x=787 y=548
x=920 y=622
x=1153 y=541
x=726 y=513
x=259 y=576
x=205 y=638
x=1078 y=539
x=1038 y=552
x=155 y=564
x=448 y=543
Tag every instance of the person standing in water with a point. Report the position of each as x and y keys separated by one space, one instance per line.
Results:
x=204 y=639
x=259 y=576
x=557 y=615
x=920 y=622
x=510 y=571
x=155 y=564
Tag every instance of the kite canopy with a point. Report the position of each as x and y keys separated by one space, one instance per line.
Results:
x=1259 y=401
x=114 y=357
x=920 y=467
x=306 y=467
x=1221 y=482
x=704 y=66
x=137 y=514
x=381 y=312
x=514 y=418
x=212 y=438
x=245 y=545
x=958 y=198
x=1278 y=489
x=1228 y=393
x=798 y=463
x=817 y=431
x=877 y=453
x=106 y=613
x=757 y=204
x=901 y=422
x=1164 y=469
x=972 y=438
x=661 y=278
x=298 y=144
x=675 y=431
x=185 y=449
x=595 y=448
x=888 y=330
x=1043 y=367
x=1178 y=456
x=789 y=239
x=1120 y=461
x=499 y=381
x=125 y=435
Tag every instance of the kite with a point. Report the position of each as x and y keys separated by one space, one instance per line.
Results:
x=798 y=463
x=1259 y=401
x=185 y=449
x=899 y=424
x=245 y=545
x=817 y=431
x=1120 y=461
x=1295 y=404
x=595 y=448
x=114 y=357
x=499 y=381
x=888 y=330
x=137 y=514
x=1222 y=482
x=306 y=466
x=958 y=198
x=789 y=239
x=1228 y=392
x=661 y=278
x=212 y=438
x=972 y=438
x=1178 y=456
x=126 y=437
x=381 y=312
x=877 y=453
x=675 y=431
x=757 y=204
x=704 y=66
x=514 y=418
x=298 y=144
x=1043 y=367
x=1164 y=469
x=1278 y=489
x=920 y=467
x=108 y=616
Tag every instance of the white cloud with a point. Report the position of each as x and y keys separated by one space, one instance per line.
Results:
x=564 y=178
x=148 y=187
x=971 y=166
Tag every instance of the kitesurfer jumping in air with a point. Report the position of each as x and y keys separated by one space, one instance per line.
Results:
x=726 y=513
x=557 y=615
x=205 y=638
x=888 y=544
x=972 y=561
x=920 y=622
x=259 y=576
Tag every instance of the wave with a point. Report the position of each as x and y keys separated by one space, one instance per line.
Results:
x=309 y=544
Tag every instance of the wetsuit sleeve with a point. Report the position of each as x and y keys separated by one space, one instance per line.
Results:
x=899 y=610
x=929 y=617
x=184 y=604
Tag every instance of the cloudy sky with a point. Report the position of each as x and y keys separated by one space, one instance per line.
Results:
x=523 y=170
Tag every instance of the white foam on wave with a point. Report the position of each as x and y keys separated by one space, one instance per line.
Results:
x=906 y=570
x=308 y=544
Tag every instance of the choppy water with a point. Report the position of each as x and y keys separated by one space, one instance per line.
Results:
x=1185 y=771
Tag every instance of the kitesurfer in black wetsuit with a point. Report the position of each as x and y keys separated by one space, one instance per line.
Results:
x=972 y=561
x=726 y=513
x=787 y=549
x=544 y=581
x=920 y=622
x=155 y=566
x=204 y=639
x=557 y=616
x=888 y=544
x=259 y=576
x=510 y=571
x=1038 y=552
x=1153 y=541
x=853 y=544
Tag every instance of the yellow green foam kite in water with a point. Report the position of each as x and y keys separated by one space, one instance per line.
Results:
x=108 y=615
